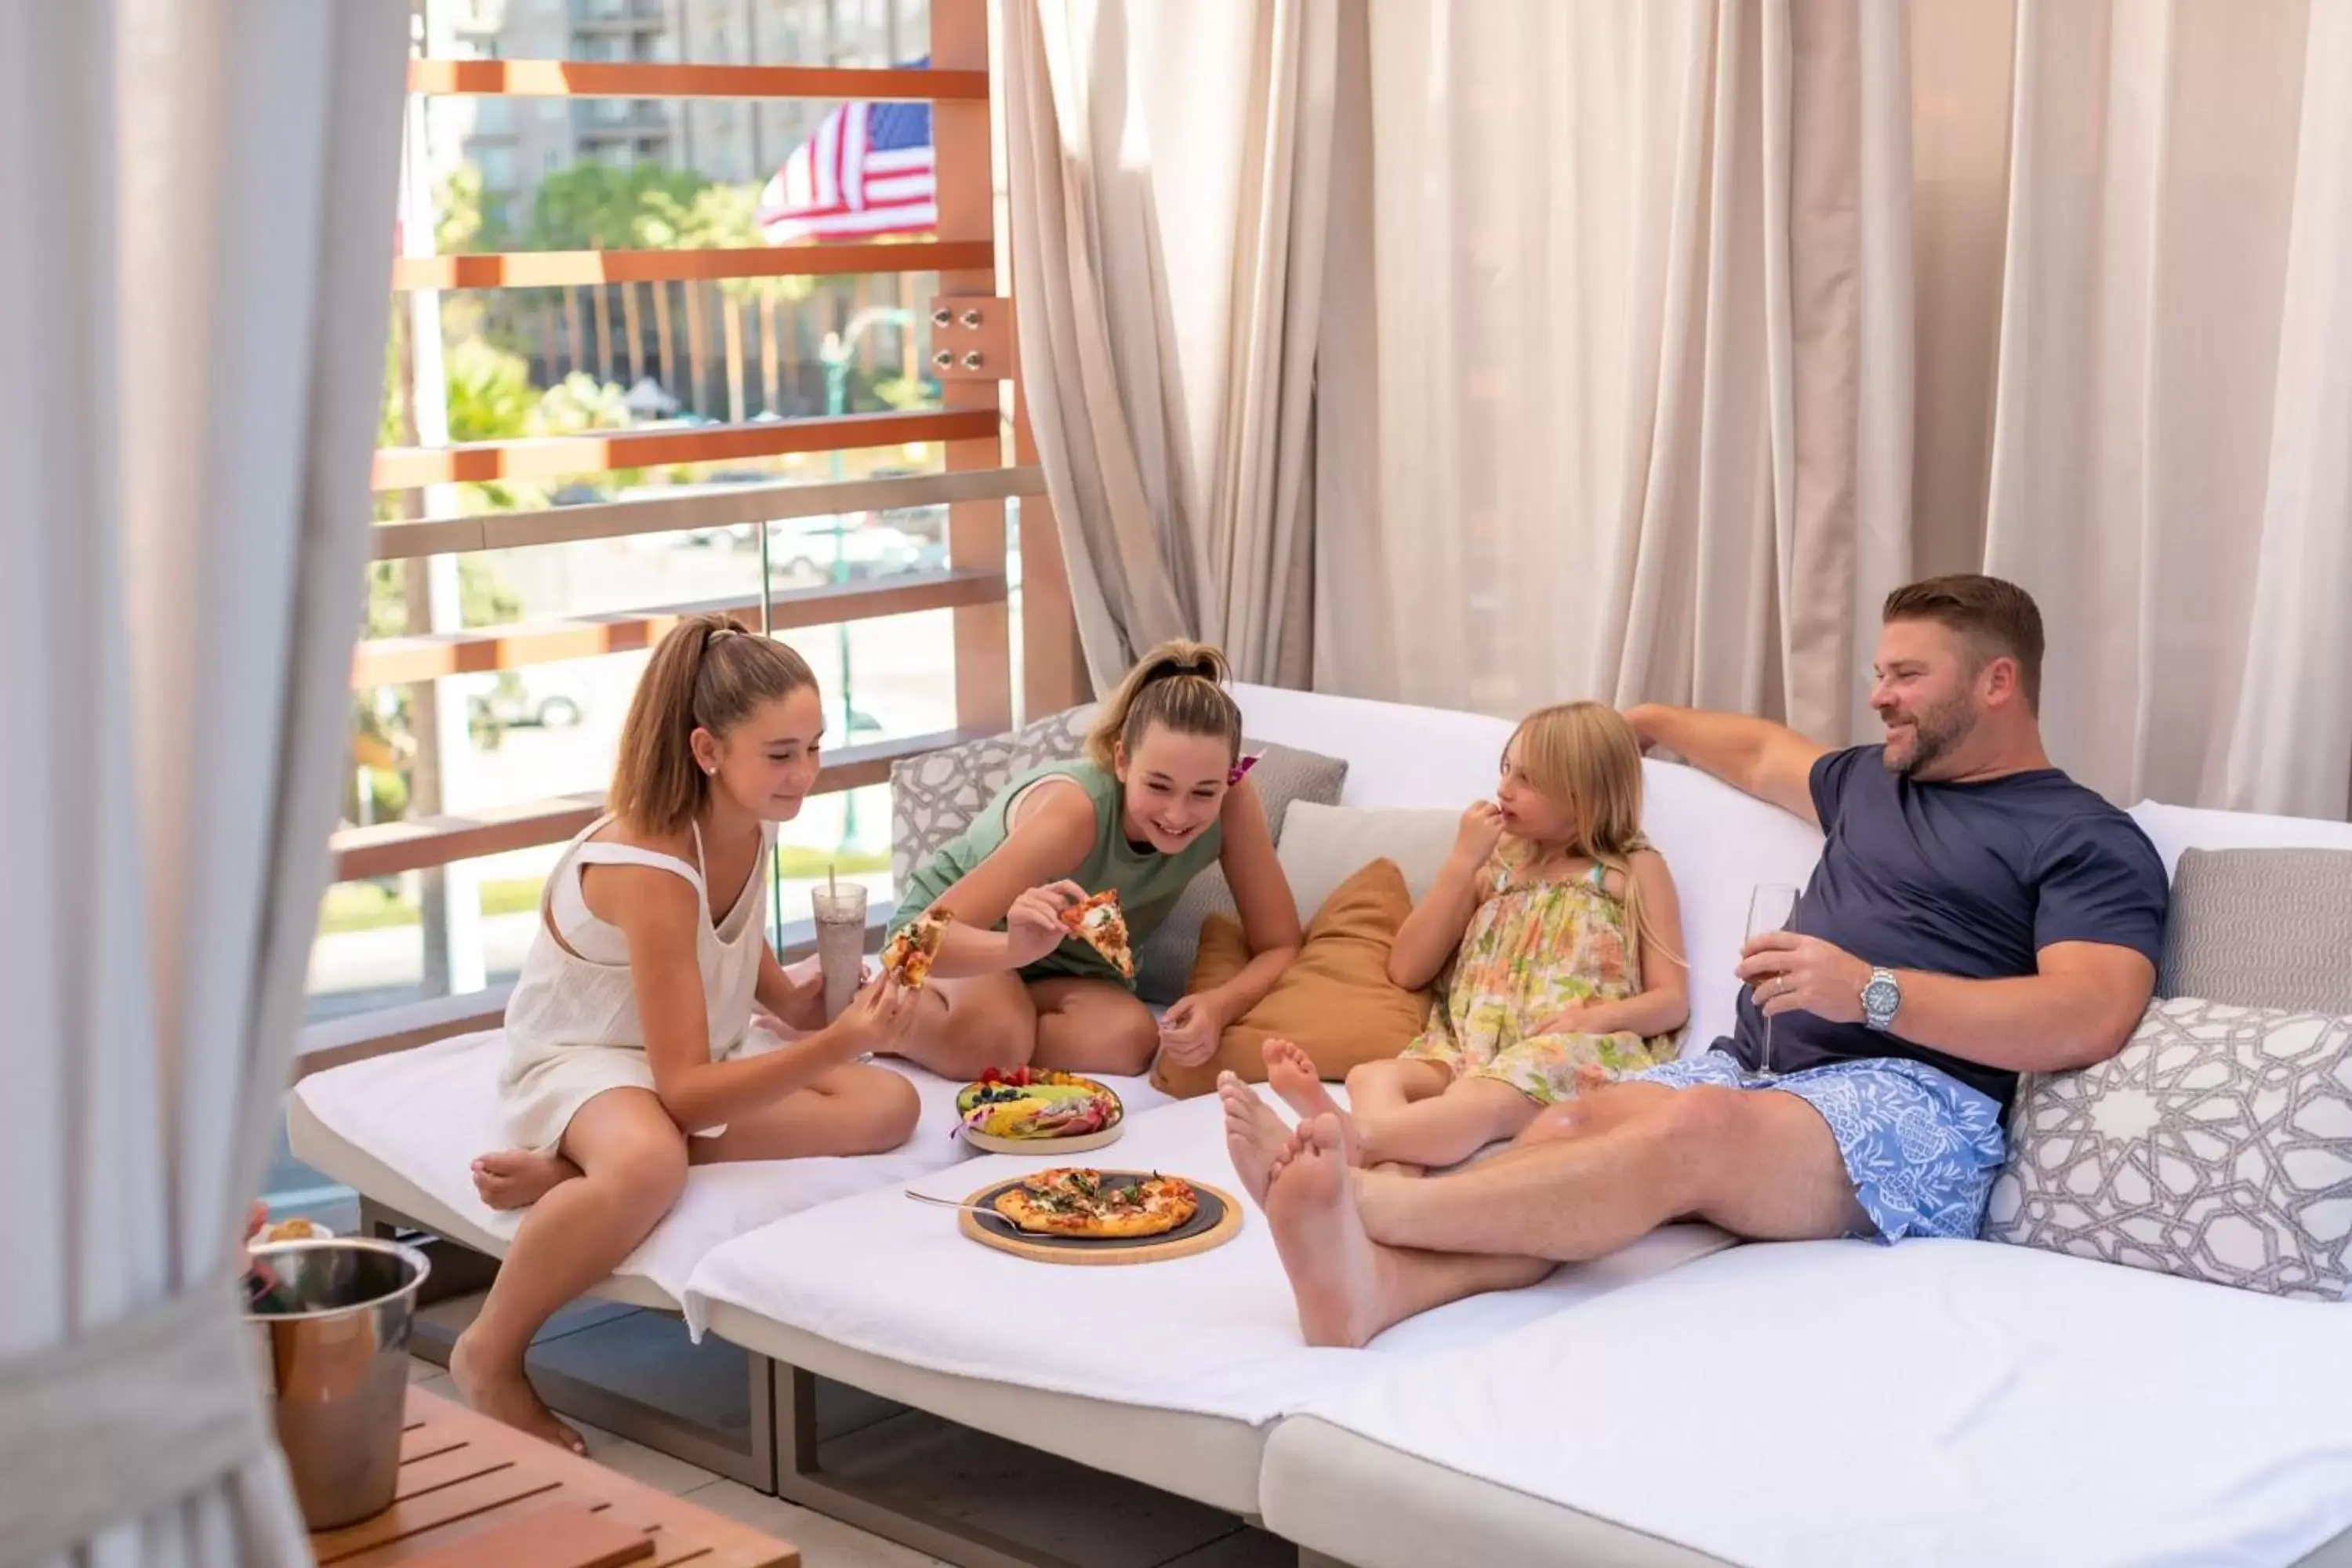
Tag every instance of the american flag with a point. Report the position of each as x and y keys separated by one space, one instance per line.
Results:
x=866 y=171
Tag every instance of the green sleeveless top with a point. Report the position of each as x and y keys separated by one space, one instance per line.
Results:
x=1148 y=883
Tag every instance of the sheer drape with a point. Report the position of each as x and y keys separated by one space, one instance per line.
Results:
x=1170 y=170
x=195 y=332
x=1643 y=341
x=1699 y=326
x=2173 y=394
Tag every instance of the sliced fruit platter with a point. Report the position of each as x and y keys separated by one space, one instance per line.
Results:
x=1029 y=1110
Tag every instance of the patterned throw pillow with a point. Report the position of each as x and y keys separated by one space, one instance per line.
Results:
x=935 y=796
x=2217 y=1145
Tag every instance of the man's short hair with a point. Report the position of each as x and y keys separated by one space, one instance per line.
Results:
x=1997 y=619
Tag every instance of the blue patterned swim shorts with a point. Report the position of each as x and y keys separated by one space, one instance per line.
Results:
x=1921 y=1147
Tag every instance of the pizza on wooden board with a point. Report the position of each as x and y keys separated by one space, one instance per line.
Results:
x=1073 y=1201
x=910 y=953
x=1101 y=924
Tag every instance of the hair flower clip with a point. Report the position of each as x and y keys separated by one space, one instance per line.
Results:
x=1242 y=768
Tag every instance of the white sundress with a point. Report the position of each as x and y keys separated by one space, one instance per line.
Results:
x=571 y=1026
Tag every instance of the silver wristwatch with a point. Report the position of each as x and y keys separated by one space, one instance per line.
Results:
x=1882 y=998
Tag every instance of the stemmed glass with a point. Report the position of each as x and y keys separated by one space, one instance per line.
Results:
x=1771 y=907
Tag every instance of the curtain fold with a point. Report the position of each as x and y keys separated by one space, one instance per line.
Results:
x=1170 y=177
x=2168 y=461
x=183 y=468
x=1643 y=351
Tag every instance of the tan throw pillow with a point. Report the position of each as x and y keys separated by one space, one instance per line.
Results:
x=1335 y=1000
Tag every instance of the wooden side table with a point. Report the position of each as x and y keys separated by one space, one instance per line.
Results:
x=475 y=1494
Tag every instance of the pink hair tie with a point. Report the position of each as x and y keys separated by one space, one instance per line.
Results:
x=1241 y=769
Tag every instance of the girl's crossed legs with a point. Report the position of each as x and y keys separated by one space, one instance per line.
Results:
x=965 y=1027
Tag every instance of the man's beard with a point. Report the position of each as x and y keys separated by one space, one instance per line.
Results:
x=1934 y=732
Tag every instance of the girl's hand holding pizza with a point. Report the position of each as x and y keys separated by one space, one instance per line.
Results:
x=874 y=1020
x=1033 y=927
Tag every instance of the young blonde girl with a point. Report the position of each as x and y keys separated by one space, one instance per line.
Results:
x=1161 y=796
x=630 y=1037
x=1548 y=935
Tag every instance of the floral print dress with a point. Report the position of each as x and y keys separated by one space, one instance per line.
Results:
x=1533 y=947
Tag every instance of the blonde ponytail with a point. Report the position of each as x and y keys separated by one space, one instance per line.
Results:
x=1180 y=686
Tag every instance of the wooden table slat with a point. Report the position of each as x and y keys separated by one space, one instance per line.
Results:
x=446 y=1469
x=472 y=1492
x=497 y=1489
x=425 y=1441
x=564 y=1535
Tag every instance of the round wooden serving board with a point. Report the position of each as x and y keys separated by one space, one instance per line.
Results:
x=1217 y=1221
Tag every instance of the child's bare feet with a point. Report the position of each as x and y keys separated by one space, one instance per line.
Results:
x=505 y=1395
x=1335 y=1271
x=1293 y=1076
x=518 y=1178
x=1255 y=1135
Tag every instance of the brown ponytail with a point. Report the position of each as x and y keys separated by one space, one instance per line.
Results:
x=709 y=673
x=1178 y=685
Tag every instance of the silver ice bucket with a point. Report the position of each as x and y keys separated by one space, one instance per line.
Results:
x=331 y=1320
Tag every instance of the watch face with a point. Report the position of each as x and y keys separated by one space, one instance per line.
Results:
x=1881 y=997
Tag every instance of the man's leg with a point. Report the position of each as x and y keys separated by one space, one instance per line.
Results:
x=1366 y=1254
x=1760 y=1163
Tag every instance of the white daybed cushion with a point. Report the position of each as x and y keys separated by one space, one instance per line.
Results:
x=2173 y=828
x=1214 y=1334
x=404 y=1129
x=1719 y=843
x=1839 y=1402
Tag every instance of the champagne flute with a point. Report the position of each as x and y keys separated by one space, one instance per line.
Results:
x=1771 y=907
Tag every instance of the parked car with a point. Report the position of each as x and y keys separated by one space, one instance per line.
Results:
x=803 y=550
x=545 y=698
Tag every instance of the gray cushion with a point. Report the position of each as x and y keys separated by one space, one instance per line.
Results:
x=2217 y=1145
x=935 y=796
x=2261 y=927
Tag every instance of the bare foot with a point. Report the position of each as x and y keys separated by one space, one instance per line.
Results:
x=506 y=1396
x=1293 y=1076
x=1255 y=1135
x=518 y=1178
x=1335 y=1270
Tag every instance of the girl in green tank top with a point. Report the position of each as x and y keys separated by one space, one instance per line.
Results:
x=1161 y=796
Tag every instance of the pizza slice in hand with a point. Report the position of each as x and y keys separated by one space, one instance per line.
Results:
x=910 y=953
x=1102 y=925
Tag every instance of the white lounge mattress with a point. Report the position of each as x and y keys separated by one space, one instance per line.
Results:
x=1213 y=1335
x=404 y=1129
x=1936 y=1403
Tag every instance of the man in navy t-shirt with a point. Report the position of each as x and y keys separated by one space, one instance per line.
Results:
x=1976 y=915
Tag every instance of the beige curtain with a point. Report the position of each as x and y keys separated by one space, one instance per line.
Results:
x=1643 y=351
x=1170 y=168
x=197 y=324
x=2168 y=467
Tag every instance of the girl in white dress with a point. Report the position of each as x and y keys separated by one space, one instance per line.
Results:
x=631 y=1048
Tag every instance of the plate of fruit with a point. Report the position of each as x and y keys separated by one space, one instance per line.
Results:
x=1030 y=1111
